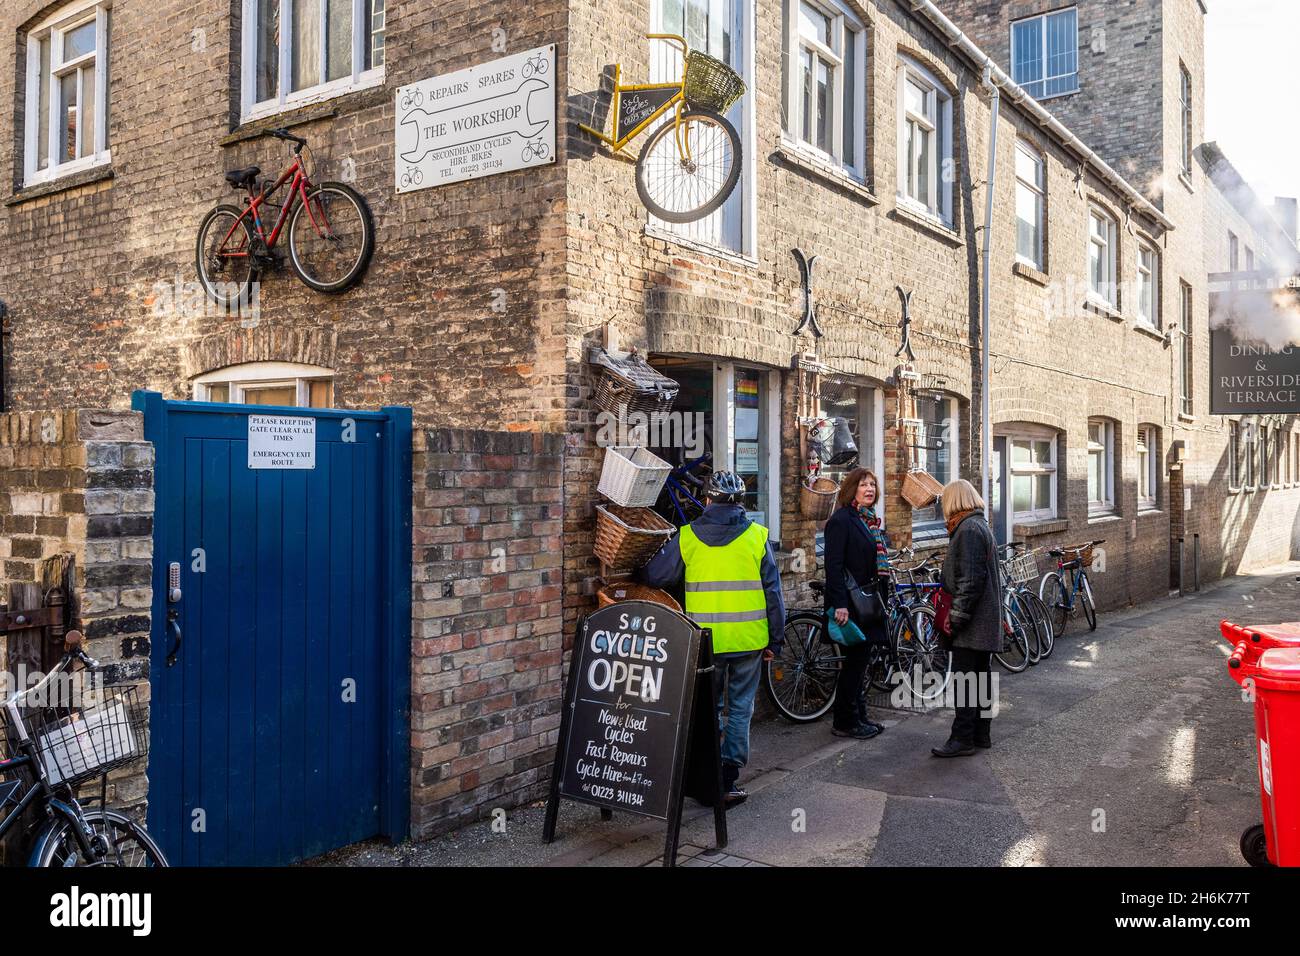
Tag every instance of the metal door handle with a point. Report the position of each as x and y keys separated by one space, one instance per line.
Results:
x=174 y=629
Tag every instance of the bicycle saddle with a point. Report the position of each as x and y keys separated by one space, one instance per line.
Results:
x=818 y=587
x=243 y=178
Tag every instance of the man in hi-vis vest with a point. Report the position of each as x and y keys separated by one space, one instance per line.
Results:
x=732 y=586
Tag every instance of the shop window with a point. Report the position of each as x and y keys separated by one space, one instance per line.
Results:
x=1101 y=466
x=826 y=81
x=1148 y=456
x=925 y=139
x=1032 y=473
x=858 y=406
x=268 y=383
x=66 y=125
x=720 y=29
x=937 y=450
x=304 y=51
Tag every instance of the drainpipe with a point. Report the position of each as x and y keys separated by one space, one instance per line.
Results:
x=986 y=450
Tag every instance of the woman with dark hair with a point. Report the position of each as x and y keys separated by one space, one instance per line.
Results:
x=855 y=556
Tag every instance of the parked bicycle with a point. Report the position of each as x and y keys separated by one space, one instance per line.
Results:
x=1025 y=621
x=331 y=232
x=1069 y=581
x=56 y=748
x=688 y=167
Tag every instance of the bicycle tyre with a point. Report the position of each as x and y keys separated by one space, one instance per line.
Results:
x=1089 y=608
x=367 y=244
x=1051 y=591
x=1014 y=656
x=810 y=669
x=720 y=194
x=59 y=847
x=917 y=624
x=1033 y=645
x=214 y=286
x=1038 y=611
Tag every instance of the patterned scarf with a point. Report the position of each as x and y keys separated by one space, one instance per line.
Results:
x=872 y=521
x=957 y=518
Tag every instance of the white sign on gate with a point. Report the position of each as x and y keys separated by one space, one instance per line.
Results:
x=491 y=118
x=281 y=441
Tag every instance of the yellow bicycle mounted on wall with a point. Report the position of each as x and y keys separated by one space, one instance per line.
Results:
x=688 y=167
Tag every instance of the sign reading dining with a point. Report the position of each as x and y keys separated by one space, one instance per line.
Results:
x=281 y=442
x=1252 y=378
x=491 y=118
x=633 y=665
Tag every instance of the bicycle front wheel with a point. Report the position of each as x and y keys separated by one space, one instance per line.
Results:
x=801 y=680
x=687 y=182
x=1014 y=656
x=1085 y=598
x=923 y=664
x=1042 y=622
x=120 y=841
x=331 y=238
x=1051 y=591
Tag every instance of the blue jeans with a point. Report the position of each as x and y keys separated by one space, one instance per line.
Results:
x=735 y=682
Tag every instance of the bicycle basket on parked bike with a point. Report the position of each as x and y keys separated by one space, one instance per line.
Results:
x=1022 y=569
x=1083 y=553
x=711 y=84
x=79 y=743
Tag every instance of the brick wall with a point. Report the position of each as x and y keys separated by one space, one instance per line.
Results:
x=486 y=631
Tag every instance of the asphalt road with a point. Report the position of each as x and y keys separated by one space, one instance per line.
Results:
x=1129 y=746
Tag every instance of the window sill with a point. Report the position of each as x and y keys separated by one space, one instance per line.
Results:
x=370 y=80
x=1030 y=272
x=350 y=100
x=1149 y=509
x=1104 y=517
x=1189 y=419
x=1103 y=309
x=1034 y=529
x=61 y=184
x=708 y=248
x=928 y=222
x=1187 y=183
x=792 y=154
x=1057 y=96
x=1147 y=329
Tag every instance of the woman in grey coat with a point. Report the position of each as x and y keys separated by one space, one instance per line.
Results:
x=970 y=575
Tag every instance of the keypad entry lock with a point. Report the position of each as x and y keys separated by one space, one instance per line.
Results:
x=173 y=612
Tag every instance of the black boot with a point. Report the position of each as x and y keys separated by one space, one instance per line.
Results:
x=732 y=795
x=953 y=748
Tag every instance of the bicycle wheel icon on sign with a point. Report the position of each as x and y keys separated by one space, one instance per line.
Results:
x=535 y=149
x=412 y=98
x=412 y=177
x=535 y=65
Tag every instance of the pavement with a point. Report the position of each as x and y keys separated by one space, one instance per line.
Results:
x=1130 y=746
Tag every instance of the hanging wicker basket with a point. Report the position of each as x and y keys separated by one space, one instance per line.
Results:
x=626 y=538
x=921 y=489
x=628 y=591
x=817 y=498
x=630 y=385
x=710 y=84
x=632 y=477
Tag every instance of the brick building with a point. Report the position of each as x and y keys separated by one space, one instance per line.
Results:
x=485 y=296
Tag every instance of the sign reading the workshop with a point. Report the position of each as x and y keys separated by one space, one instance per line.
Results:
x=283 y=442
x=1252 y=377
x=629 y=693
x=491 y=118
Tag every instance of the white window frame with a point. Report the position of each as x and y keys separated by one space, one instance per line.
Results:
x=1185 y=96
x=1104 y=505
x=53 y=28
x=845 y=28
x=1039 y=190
x=326 y=89
x=1044 y=79
x=1186 y=372
x=258 y=375
x=936 y=121
x=1148 y=274
x=1023 y=435
x=1148 y=447
x=1108 y=296
x=1250 y=436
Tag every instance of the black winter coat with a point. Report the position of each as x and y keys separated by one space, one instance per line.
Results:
x=850 y=547
x=970 y=575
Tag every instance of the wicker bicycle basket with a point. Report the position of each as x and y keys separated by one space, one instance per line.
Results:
x=711 y=84
x=630 y=591
x=80 y=742
x=626 y=538
x=631 y=384
x=817 y=498
x=921 y=489
x=1083 y=552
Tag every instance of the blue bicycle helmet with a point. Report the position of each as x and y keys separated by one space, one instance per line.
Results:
x=725 y=487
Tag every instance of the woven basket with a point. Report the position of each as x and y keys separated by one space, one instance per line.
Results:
x=627 y=591
x=817 y=498
x=921 y=489
x=1084 y=553
x=632 y=477
x=711 y=84
x=626 y=538
x=631 y=384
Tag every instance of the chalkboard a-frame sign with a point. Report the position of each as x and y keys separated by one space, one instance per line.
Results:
x=635 y=689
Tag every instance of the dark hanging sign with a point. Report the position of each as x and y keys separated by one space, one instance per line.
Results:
x=637 y=106
x=626 y=730
x=1252 y=378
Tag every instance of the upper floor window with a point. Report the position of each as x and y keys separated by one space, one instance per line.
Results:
x=1031 y=191
x=1103 y=241
x=1101 y=465
x=1234 y=455
x=1186 y=102
x=827 y=50
x=299 y=51
x=289 y=384
x=1185 y=370
x=1250 y=259
x=1234 y=253
x=1045 y=53
x=66 y=125
x=1148 y=297
x=924 y=142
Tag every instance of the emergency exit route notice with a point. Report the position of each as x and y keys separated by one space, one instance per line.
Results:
x=281 y=442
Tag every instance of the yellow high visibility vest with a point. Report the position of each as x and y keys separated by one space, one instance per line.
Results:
x=724 y=589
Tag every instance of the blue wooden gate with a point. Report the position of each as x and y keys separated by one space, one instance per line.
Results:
x=280 y=731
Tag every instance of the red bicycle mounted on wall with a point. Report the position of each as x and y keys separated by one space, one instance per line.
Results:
x=331 y=232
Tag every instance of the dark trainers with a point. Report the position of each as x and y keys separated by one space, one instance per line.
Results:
x=734 y=797
x=859 y=732
x=953 y=748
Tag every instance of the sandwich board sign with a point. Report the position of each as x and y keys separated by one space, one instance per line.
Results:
x=635 y=705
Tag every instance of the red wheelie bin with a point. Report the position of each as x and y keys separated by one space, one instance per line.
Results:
x=1274 y=676
x=1248 y=643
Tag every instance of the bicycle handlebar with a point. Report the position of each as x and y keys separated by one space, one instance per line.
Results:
x=672 y=38
x=71 y=651
x=282 y=133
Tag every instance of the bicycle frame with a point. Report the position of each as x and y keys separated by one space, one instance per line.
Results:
x=297 y=193
x=674 y=102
